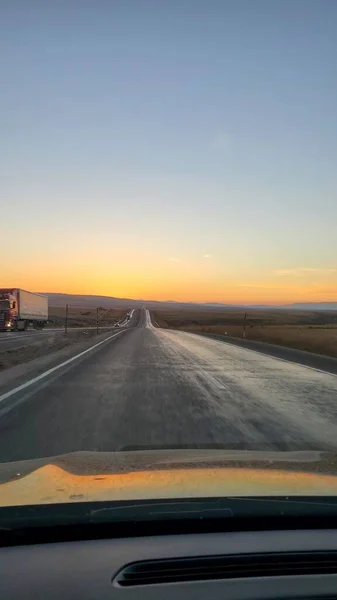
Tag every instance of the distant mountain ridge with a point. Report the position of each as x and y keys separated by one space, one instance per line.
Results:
x=312 y=305
x=83 y=301
x=90 y=301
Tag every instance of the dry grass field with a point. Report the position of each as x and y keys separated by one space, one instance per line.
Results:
x=84 y=317
x=313 y=331
x=42 y=345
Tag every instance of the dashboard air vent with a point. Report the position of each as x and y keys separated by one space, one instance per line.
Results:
x=226 y=567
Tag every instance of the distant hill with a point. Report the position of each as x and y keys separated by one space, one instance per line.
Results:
x=311 y=306
x=84 y=301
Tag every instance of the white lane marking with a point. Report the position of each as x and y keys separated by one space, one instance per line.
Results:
x=210 y=378
x=46 y=373
x=148 y=322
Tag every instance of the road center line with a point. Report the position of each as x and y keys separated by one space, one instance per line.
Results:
x=210 y=378
x=63 y=364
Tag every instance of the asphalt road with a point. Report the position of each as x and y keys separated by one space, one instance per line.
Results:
x=152 y=388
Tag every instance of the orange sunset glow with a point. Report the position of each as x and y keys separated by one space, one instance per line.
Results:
x=164 y=279
x=168 y=290
x=51 y=484
x=227 y=194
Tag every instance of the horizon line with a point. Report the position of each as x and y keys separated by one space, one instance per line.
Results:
x=229 y=304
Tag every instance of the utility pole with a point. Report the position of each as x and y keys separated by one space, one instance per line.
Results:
x=244 y=326
x=66 y=321
x=97 y=320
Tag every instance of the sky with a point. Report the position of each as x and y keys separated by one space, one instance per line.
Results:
x=170 y=149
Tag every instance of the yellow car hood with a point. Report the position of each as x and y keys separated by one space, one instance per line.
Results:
x=86 y=476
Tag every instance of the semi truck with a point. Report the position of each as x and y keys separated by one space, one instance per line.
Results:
x=20 y=309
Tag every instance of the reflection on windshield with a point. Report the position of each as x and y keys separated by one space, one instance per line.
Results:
x=51 y=484
x=168 y=290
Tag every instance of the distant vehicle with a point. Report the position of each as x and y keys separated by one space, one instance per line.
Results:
x=19 y=309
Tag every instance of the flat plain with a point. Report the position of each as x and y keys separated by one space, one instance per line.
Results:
x=312 y=331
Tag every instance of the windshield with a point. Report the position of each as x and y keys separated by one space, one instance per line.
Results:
x=170 y=233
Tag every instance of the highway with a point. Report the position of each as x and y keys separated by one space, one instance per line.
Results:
x=14 y=340
x=147 y=387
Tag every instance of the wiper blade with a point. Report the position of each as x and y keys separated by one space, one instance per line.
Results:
x=228 y=508
x=83 y=521
x=302 y=500
x=167 y=509
x=218 y=508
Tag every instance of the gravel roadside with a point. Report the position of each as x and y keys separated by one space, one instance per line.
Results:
x=33 y=360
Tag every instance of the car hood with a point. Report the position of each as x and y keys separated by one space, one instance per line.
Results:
x=155 y=474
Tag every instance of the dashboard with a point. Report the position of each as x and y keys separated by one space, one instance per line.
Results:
x=231 y=565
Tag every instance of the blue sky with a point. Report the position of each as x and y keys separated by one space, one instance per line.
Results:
x=192 y=143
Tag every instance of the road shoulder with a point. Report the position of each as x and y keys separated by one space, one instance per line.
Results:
x=301 y=357
x=15 y=376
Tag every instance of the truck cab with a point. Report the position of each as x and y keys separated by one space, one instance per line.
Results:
x=8 y=310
